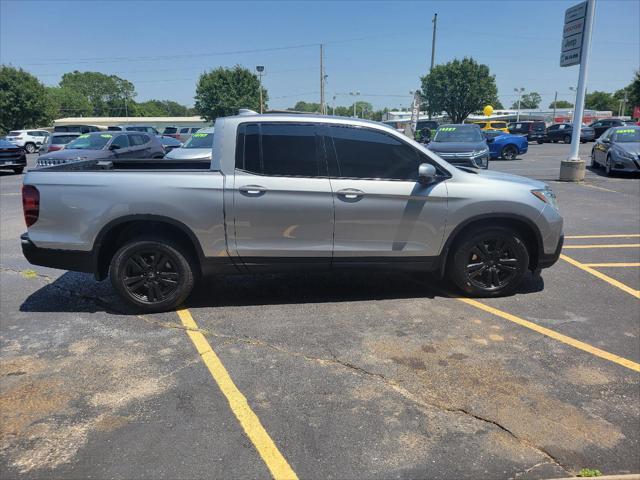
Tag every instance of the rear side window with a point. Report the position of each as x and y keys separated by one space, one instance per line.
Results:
x=137 y=140
x=121 y=140
x=170 y=130
x=278 y=149
x=195 y=129
x=184 y=130
x=364 y=153
x=33 y=133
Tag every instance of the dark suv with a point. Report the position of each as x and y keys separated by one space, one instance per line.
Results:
x=534 y=131
x=601 y=126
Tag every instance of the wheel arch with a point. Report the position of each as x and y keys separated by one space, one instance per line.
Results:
x=525 y=227
x=113 y=235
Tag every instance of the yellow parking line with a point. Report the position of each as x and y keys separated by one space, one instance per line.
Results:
x=555 y=335
x=611 y=264
x=602 y=276
x=614 y=245
x=615 y=235
x=273 y=459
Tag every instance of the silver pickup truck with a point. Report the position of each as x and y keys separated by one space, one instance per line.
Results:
x=288 y=192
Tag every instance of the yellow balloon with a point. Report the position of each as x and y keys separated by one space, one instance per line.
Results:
x=488 y=110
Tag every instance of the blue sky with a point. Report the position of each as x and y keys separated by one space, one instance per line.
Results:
x=378 y=48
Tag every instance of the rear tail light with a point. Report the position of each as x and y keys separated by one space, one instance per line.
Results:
x=30 y=204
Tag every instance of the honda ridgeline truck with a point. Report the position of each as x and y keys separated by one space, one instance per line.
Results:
x=288 y=192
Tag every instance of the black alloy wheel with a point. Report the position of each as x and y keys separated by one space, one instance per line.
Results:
x=509 y=152
x=567 y=139
x=489 y=262
x=152 y=275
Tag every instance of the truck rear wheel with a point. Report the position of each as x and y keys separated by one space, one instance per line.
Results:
x=489 y=262
x=152 y=274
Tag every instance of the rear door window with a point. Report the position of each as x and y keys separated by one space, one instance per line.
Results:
x=279 y=149
x=122 y=141
x=137 y=140
x=184 y=130
x=365 y=153
x=170 y=130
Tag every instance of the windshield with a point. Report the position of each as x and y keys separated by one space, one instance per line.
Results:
x=498 y=125
x=459 y=133
x=62 y=139
x=90 y=142
x=627 y=135
x=200 y=140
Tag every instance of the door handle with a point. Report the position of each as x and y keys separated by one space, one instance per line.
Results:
x=252 y=189
x=350 y=193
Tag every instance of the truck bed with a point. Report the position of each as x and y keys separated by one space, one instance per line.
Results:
x=128 y=164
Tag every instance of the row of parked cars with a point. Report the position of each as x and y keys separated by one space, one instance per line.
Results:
x=83 y=142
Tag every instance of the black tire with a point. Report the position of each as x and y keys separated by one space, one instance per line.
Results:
x=18 y=170
x=488 y=262
x=30 y=147
x=509 y=152
x=146 y=282
x=607 y=166
x=540 y=142
x=567 y=139
x=594 y=164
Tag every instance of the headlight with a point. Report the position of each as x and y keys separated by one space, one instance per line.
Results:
x=480 y=153
x=624 y=154
x=547 y=196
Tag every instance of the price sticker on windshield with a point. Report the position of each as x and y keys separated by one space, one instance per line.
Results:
x=105 y=135
x=199 y=135
x=448 y=129
x=627 y=130
x=84 y=136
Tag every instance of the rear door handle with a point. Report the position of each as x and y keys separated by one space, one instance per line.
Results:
x=252 y=189
x=350 y=193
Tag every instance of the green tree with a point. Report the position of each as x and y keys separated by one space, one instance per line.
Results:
x=528 y=100
x=23 y=100
x=459 y=88
x=497 y=104
x=68 y=103
x=306 y=107
x=634 y=91
x=600 y=101
x=160 y=108
x=561 y=104
x=109 y=95
x=221 y=92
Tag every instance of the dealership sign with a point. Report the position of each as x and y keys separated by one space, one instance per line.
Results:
x=572 y=33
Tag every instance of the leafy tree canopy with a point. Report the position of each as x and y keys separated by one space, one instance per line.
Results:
x=597 y=100
x=24 y=102
x=459 y=88
x=67 y=102
x=528 y=100
x=561 y=104
x=109 y=95
x=223 y=91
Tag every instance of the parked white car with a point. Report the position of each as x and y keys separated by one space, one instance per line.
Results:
x=30 y=140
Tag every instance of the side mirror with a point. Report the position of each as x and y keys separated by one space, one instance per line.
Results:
x=606 y=140
x=426 y=173
x=114 y=147
x=489 y=140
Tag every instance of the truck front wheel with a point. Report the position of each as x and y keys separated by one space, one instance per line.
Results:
x=489 y=262
x=152 y=274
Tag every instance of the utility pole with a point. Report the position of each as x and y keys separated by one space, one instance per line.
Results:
x=555 y=101
x=433 y=40
x=322 y=110
x=519 y=92
x=433 y=52
x=624 y=104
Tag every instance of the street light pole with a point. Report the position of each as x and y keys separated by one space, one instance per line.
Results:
x=322 y=110
x=555 y=101
x=519 y=92
x=260 y=70
x=354 y=94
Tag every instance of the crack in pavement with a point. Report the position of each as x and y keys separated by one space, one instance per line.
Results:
x=388 y=382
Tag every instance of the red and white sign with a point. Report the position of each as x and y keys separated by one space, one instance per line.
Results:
x=636 y=111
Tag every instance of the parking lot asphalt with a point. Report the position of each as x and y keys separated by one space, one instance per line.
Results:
x=334 y=376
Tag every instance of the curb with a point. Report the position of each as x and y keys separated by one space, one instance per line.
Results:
x=631 y=476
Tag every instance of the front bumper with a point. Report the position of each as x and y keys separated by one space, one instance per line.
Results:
x=75 y=260
x=545 y=260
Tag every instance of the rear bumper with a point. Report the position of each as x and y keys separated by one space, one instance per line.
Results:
x=546 y=260
x=75 y=260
